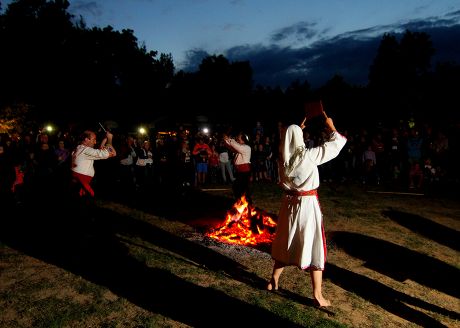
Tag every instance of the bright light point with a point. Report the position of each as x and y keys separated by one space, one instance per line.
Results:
x=142 y=131
x=205 y=130
x=49 y=128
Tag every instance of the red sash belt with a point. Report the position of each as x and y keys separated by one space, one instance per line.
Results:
x=84 y=181
x=243 y=167
x=312 y=192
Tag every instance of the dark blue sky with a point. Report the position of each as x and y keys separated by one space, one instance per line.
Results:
x=349 y=54
x=283 y=40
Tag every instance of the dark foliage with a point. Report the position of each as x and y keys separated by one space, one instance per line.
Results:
x=68 y=73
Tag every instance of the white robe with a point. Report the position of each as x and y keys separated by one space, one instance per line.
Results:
x=300 y=238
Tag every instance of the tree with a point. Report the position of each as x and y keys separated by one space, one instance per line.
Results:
x=14 y=118
x=67 y=71
x=218 y=90
x=397 y=72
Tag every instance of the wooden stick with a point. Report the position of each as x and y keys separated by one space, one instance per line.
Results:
x=102 y=127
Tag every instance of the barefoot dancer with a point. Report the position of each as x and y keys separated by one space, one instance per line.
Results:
x=300 y=238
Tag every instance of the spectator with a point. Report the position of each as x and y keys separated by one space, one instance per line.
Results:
x=225 y=163
x=202 y=152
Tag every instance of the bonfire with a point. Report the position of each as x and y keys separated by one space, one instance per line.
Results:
x=245 y=225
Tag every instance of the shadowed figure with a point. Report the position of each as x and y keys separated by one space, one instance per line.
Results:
x=427 y=228
x=389 y=299
x=399 y=263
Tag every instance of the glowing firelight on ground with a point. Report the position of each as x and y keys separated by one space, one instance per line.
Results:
x=244 y=225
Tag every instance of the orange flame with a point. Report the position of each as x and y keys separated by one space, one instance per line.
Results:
x=244 y=225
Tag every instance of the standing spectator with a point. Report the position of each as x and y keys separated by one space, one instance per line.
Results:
x=260 y=163
x=214 y=164
x=144 y=165
x=186 y=169
x=225 y=163
x=202 y=153
x=378 y=146
x=441 y=150
x=162 y=163
x=414 y=150
x=276 y=141
x=395 y=154
x=414 y=147
x=45 y=170
x=62 y=154
x=369 y=160
x=268 y=150
x=128 y=156
x=300 y=238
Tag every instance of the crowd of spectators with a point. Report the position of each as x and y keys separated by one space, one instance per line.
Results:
x=413 y=157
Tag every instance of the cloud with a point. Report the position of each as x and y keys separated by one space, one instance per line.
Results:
x=82 y=7
x=454 y=14
x=237 y=2
x=349 y=54
x=279 y=66
x=193 y=59
x=231 y=27
x=301 y=31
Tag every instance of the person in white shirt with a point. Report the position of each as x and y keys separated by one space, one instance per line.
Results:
x=242 y=164
x=83 y=158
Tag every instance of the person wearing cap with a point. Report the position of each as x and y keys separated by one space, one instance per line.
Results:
x=300 y=239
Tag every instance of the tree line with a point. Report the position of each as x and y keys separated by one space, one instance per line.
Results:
x=55 y=68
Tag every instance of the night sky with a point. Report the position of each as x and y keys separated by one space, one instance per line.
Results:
x=283 y=40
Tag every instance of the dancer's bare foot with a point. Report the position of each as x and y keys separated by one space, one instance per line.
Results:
x=321 y=302
x=272 y=285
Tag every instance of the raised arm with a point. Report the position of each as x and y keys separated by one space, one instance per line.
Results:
x=107 y=144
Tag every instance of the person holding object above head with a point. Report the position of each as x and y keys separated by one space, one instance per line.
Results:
x=242 y=164
x=300 y=238
x=83 y=158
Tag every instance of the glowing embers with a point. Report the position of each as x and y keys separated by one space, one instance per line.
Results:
x=245 y=225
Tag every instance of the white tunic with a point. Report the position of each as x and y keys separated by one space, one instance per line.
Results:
x=300 y=238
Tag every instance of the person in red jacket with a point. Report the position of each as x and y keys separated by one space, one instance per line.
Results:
x=202 y=152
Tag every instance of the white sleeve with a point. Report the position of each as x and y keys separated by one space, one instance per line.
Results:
x=96 y=154
x=328 y=151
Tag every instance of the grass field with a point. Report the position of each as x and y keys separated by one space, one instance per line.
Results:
x=393 y=261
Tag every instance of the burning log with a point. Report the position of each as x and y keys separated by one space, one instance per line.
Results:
x=245 y=225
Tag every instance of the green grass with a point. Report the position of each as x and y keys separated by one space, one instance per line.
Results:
x=36 y=302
